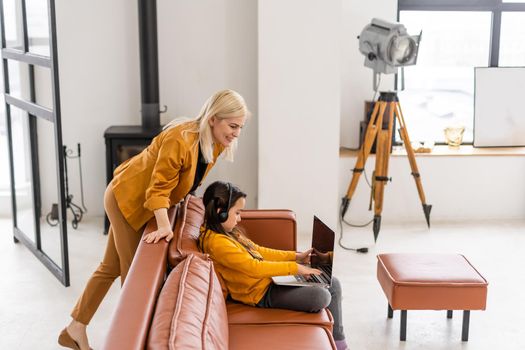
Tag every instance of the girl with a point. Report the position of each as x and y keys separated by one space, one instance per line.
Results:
x=174 y=164
x=247 y=268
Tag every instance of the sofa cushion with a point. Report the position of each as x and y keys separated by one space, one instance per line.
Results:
x=282 y=337
x=187 y=229
x=190 y=311
x=186 y=233
x=245 y=314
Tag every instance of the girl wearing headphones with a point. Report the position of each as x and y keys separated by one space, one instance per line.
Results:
x=173 y=165
x=247 y=268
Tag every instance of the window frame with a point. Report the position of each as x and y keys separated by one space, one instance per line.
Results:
x=36 y=112
x=496 y=7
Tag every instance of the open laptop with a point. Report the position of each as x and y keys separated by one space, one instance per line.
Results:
x=323 y=239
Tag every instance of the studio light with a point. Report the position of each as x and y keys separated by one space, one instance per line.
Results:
x=387 y=46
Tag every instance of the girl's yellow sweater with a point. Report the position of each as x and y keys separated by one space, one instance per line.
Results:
x=247 y=279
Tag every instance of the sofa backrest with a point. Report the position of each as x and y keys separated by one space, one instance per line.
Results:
x=190 y=311
x=272 y=228
x=136 y=306
x=187 y=229
x=275 y=229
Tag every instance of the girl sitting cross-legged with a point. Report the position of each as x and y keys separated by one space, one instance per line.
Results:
x=247 y=269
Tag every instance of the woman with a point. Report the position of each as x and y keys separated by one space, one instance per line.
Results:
x=247 y=268
x=173 y=165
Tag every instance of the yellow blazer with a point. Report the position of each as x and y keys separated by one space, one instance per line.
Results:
x=160 y=176
x=247 y=279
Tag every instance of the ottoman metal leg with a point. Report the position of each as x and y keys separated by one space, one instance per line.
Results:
x=449 y=313
x=403 y=332
x=466 y=319
x=390 y=311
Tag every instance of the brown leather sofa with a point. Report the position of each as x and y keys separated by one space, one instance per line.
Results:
x=172 y=298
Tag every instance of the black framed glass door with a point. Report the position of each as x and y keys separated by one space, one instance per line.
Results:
x=32 y=110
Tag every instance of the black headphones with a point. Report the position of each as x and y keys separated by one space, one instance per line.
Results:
x=223 y=213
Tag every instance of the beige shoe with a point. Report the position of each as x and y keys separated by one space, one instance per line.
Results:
x=66 y=341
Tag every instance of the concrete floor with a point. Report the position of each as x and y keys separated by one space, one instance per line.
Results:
x=34 y=306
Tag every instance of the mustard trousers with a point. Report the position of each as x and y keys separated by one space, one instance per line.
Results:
x=122 y=244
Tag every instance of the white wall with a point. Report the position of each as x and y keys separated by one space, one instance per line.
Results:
x=99 y=83
x=299 y=96
x=459 y=188
x=205 y=46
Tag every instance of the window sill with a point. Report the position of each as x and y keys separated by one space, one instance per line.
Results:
x=445 y=151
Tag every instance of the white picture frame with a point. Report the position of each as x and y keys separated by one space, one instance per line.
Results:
x=499 y=109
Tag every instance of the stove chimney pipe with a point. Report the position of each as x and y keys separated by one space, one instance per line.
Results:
x=149 y=65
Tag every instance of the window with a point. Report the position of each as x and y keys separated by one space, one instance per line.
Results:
x=457 y=36
x=512 y=39
x=31 y=122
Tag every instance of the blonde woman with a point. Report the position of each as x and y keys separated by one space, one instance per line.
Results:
x=173 y=165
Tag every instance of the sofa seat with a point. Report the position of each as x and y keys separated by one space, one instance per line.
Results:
x=244 y=314
x=282 y=337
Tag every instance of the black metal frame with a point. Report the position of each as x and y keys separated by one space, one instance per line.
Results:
x=494 y=6
x=36 y=111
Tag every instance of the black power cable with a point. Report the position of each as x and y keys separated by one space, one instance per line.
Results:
x=342 y=219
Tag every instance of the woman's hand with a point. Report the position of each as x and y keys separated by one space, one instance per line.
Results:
x=303 y=257
x=157 y=235
x=164 y=227
x=307 y=271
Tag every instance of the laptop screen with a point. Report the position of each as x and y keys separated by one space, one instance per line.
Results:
x=323 y=243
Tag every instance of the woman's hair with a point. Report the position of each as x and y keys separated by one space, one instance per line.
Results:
x=216 y=198
x=222 y=104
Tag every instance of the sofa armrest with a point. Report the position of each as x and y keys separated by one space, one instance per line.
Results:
x=275 y=229
x=131 y=321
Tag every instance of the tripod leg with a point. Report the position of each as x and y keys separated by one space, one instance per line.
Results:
x=391 y=116
x=376 y=120
x=413 y=165
x=384 y=144
x=382 y=154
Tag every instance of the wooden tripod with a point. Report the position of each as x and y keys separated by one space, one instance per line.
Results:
x=383 y=138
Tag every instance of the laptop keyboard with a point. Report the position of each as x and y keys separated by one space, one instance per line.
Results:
x=323 y=278
x=326 y=268
x=300 y=278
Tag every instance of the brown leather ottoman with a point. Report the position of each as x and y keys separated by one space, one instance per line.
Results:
x=431 y=282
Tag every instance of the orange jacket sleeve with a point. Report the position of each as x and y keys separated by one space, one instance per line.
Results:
x=165 y=176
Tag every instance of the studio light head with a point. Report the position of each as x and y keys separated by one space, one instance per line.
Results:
x=387 y=46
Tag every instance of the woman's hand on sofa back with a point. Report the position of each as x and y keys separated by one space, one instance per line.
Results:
x=157 y=235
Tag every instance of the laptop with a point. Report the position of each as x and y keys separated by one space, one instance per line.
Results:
x=323 y=239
